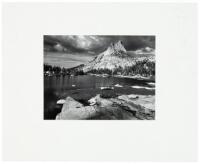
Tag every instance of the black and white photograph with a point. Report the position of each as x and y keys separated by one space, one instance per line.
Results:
x=100 y=82
x=96 y=77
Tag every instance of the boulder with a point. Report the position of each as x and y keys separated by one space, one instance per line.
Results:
x=61 y=101
x=73 y=110
x=70 y=103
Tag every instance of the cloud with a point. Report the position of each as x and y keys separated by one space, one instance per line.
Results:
x=93 y=44
x=67 y=61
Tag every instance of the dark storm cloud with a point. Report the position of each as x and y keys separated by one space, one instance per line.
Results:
x=132 y=42
x=65 y=41
x=93 y=44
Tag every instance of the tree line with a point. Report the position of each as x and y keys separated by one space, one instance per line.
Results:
x=143 y=68
x=56 y=70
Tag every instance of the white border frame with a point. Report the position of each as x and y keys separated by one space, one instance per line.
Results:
x=126 y=0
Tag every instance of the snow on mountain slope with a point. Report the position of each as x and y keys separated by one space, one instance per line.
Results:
x=114 y=57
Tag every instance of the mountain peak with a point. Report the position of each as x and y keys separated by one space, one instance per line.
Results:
x=115 y=57
x=119 y=46
x=116 y=47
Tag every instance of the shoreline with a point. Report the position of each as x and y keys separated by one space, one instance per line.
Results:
x=125 y=76
x=106 y=75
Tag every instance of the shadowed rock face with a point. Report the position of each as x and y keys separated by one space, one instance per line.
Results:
x=125 y=107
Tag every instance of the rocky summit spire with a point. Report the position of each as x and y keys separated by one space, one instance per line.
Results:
x=118 y=46
x=115 y=47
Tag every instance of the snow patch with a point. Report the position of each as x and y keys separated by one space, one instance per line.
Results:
x=141 y=87
x=152 y=84
x=117 y=85
x=106 y=88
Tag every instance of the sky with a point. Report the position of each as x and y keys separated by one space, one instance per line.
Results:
x=72 y=50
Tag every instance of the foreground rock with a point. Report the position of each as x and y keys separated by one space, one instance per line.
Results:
x=123 y=107
x=144 y=105
x=73 y=110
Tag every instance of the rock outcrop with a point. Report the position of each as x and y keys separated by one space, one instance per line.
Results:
x=73 y=110
x=123 y=107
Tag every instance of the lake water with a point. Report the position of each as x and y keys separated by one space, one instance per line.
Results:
x=84 y=87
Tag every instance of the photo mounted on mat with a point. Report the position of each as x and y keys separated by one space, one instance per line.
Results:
x=97 y=77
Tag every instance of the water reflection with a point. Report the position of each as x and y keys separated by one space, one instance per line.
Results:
x=83 y=88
